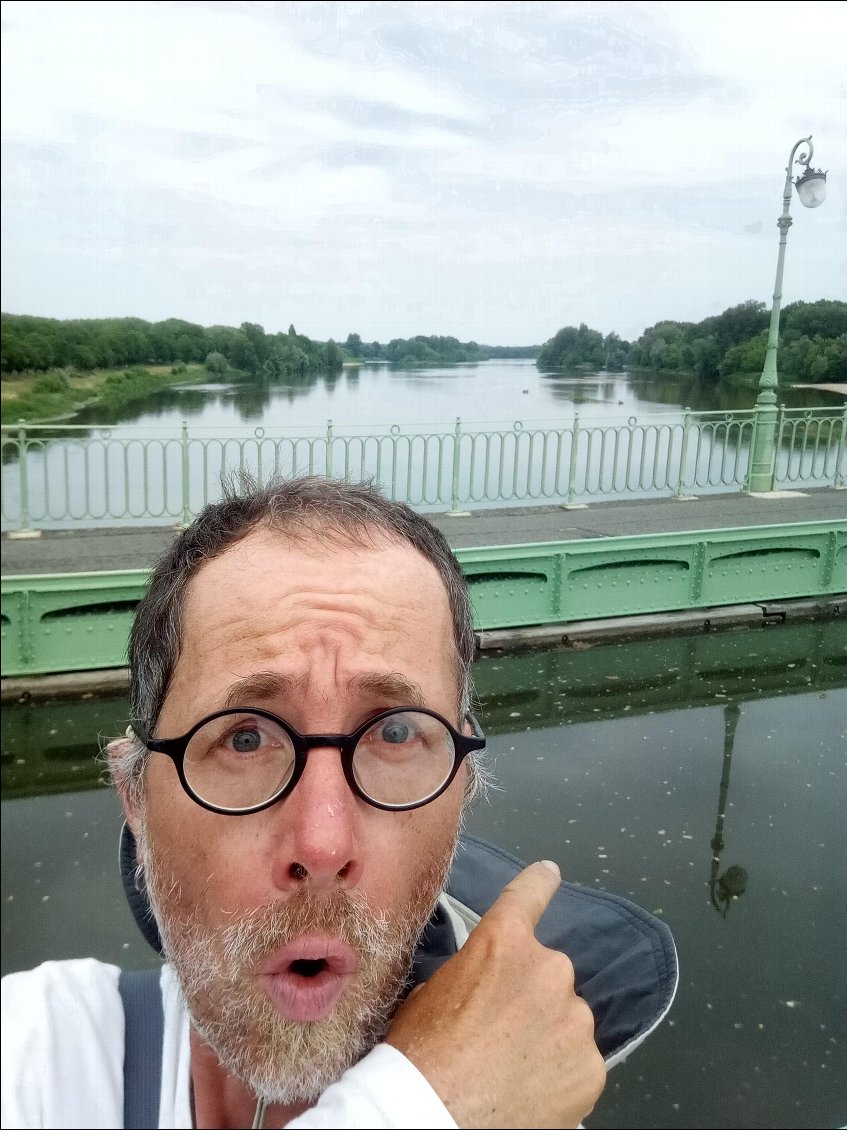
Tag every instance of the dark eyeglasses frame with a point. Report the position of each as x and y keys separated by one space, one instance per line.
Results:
x=175 y=749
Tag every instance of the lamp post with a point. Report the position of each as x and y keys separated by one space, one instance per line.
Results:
x=811 y=188
x=726 y=888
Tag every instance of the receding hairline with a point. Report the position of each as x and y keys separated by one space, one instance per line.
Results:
x=324 y=529
x=313 y=535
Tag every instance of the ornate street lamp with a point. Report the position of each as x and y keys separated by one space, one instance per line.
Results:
x=811 y=188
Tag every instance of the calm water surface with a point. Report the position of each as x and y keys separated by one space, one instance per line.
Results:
x=704 y=777
x=485 y=393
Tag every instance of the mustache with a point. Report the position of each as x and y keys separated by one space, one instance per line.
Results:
x=343 y=914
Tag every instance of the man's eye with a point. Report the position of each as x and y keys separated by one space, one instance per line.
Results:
x=395 y=731
x=245 y=741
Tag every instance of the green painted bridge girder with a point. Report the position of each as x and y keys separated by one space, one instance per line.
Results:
x=560 y=582
x=80 y=621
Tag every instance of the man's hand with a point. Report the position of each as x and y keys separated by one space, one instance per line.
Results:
x=498 y=1030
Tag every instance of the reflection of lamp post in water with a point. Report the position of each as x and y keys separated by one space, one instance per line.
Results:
x=811 y=188
x=733 y=883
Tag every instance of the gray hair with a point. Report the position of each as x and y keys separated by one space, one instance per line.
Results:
x=309 y=507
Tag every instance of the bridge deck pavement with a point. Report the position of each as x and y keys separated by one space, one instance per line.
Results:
x=118 y=547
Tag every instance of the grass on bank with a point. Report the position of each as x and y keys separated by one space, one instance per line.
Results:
x=41 y=397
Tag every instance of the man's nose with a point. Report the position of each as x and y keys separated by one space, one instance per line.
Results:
x=318 y=826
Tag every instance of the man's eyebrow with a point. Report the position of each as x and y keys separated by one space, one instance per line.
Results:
x=261 y=686
x=392 y=685
x=266 y=686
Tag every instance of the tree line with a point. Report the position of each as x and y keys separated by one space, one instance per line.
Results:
x=812 y=344
x=33 y=344
x=433 y=350
x=39 y=344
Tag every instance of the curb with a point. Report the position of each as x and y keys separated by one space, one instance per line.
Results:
x=691 y=620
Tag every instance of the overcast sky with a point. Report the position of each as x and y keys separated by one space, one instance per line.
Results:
x=492 y=171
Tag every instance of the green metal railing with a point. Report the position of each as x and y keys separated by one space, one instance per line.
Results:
x=63 y=476
x=81 y=621
x=808 y=440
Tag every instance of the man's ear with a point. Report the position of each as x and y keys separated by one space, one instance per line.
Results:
x=118 y=752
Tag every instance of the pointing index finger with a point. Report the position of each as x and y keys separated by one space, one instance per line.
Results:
x=528 y=895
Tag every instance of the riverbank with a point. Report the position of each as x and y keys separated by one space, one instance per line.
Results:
x=45 y=398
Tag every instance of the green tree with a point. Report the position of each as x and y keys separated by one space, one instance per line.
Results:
x=797 y=358
x=255 y=334
x=187 y=348
x=83 y=357
x=824 y=319
x=615 y=353
x=160 y=348
x=573 y=347
x=216 y=363
x=735 y=325
x=706 y=355
x=748 y=357
x=242 y=354
x=836 y=356
x=332 y=356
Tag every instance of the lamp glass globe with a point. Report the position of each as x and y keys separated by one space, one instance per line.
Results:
x=811 y=188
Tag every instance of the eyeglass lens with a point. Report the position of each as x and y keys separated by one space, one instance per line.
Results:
x=241 y=760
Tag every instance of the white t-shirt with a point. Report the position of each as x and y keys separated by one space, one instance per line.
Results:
x=63 y=1048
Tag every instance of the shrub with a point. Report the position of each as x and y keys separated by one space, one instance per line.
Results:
x=50 y=382
x=216 y=363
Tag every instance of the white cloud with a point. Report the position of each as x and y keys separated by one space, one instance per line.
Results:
x=491 y=169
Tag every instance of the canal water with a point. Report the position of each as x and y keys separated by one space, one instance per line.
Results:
x=702 y=776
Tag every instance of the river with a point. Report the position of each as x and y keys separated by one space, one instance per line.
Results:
x=702 y=776
x=500 y=391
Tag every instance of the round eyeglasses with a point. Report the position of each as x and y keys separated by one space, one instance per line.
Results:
x=243 y=760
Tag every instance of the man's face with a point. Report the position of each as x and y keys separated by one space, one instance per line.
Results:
x=292 y=928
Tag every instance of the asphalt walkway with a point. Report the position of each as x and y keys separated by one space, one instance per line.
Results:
x=93 y=550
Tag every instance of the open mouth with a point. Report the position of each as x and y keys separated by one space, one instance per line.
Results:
x=305 y=967
x=306 y=978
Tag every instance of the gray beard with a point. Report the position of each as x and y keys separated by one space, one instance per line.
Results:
x=283 y=1060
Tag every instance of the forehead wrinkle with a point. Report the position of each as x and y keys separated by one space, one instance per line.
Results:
x=343 y=622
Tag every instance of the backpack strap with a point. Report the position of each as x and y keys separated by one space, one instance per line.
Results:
x=144 y=1025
